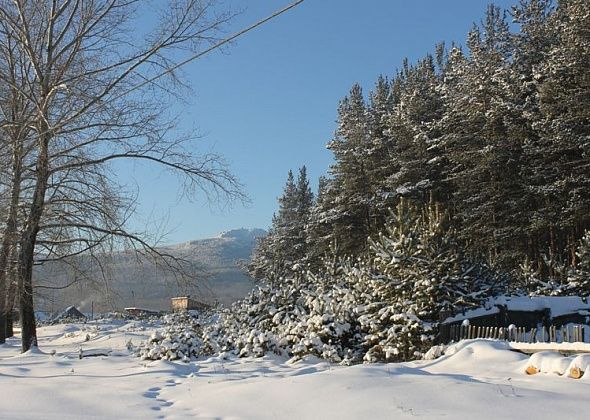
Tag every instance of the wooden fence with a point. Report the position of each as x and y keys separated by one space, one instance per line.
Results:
x=552 y=334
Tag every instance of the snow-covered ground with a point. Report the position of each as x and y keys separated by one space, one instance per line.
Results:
x=479 y=378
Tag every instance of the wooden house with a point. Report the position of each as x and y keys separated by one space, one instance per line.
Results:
x=185 y=303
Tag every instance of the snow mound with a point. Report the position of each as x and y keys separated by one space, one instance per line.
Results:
x=478 y=356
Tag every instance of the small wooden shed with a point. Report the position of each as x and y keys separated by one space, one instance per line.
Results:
x=185 y=303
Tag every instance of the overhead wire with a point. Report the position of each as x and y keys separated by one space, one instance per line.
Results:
x=215 y=46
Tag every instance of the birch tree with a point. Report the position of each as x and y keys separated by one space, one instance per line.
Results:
x=86 y=76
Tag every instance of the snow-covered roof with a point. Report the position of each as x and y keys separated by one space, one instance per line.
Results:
x=558 y=305
x=69 y=312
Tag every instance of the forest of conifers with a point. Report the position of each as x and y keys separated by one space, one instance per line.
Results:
x=495 y=134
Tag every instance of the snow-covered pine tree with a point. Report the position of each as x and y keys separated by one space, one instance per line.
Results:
x=285 y=244
x=350 y=204
x=429 y=275
x=415 y=171
x=479 y=132
x=381 y=151
x=564 y=149
x=319 y=233
x=305 y=202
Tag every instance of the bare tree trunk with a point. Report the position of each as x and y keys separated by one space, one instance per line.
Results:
x=9 y=325
x=28 y=241
x=11 y=294
x=10 y=232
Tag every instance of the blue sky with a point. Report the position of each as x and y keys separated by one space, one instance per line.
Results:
x=268 y=103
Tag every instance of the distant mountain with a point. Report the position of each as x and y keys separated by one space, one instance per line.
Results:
x=129 y=281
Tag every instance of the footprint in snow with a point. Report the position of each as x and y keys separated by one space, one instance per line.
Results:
x=154 y=393
x=151 y=394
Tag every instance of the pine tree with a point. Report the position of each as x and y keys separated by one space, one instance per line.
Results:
x=285 y=244
x=531 y=45
x=416 y=171
x=423 y=260
x=563 y=156
x=480 y=132
x=350 y=207
x=381 y=152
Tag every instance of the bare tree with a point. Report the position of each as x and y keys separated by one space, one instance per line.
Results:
x=15 y=111
x=82 y=75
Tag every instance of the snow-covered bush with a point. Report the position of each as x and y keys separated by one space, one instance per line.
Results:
x=341 y=316
x=179 y=339
x=382 y=307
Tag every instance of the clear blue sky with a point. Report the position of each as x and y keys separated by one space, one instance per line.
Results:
x=268 y=103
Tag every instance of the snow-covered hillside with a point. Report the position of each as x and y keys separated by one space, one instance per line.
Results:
x=476 y=378
x=133 y=282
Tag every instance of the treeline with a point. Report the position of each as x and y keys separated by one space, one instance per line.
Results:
x=496 y=135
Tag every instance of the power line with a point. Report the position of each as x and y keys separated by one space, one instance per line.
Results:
x=217 y=45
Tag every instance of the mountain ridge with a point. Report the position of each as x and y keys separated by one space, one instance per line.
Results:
x=215 y=276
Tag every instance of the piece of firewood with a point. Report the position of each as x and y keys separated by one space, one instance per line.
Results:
x=576 y=373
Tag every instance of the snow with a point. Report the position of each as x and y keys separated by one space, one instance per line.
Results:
x=474 y=376
x=553 y=362
x=558 y=347
x=550 y=362
x=558 y=305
